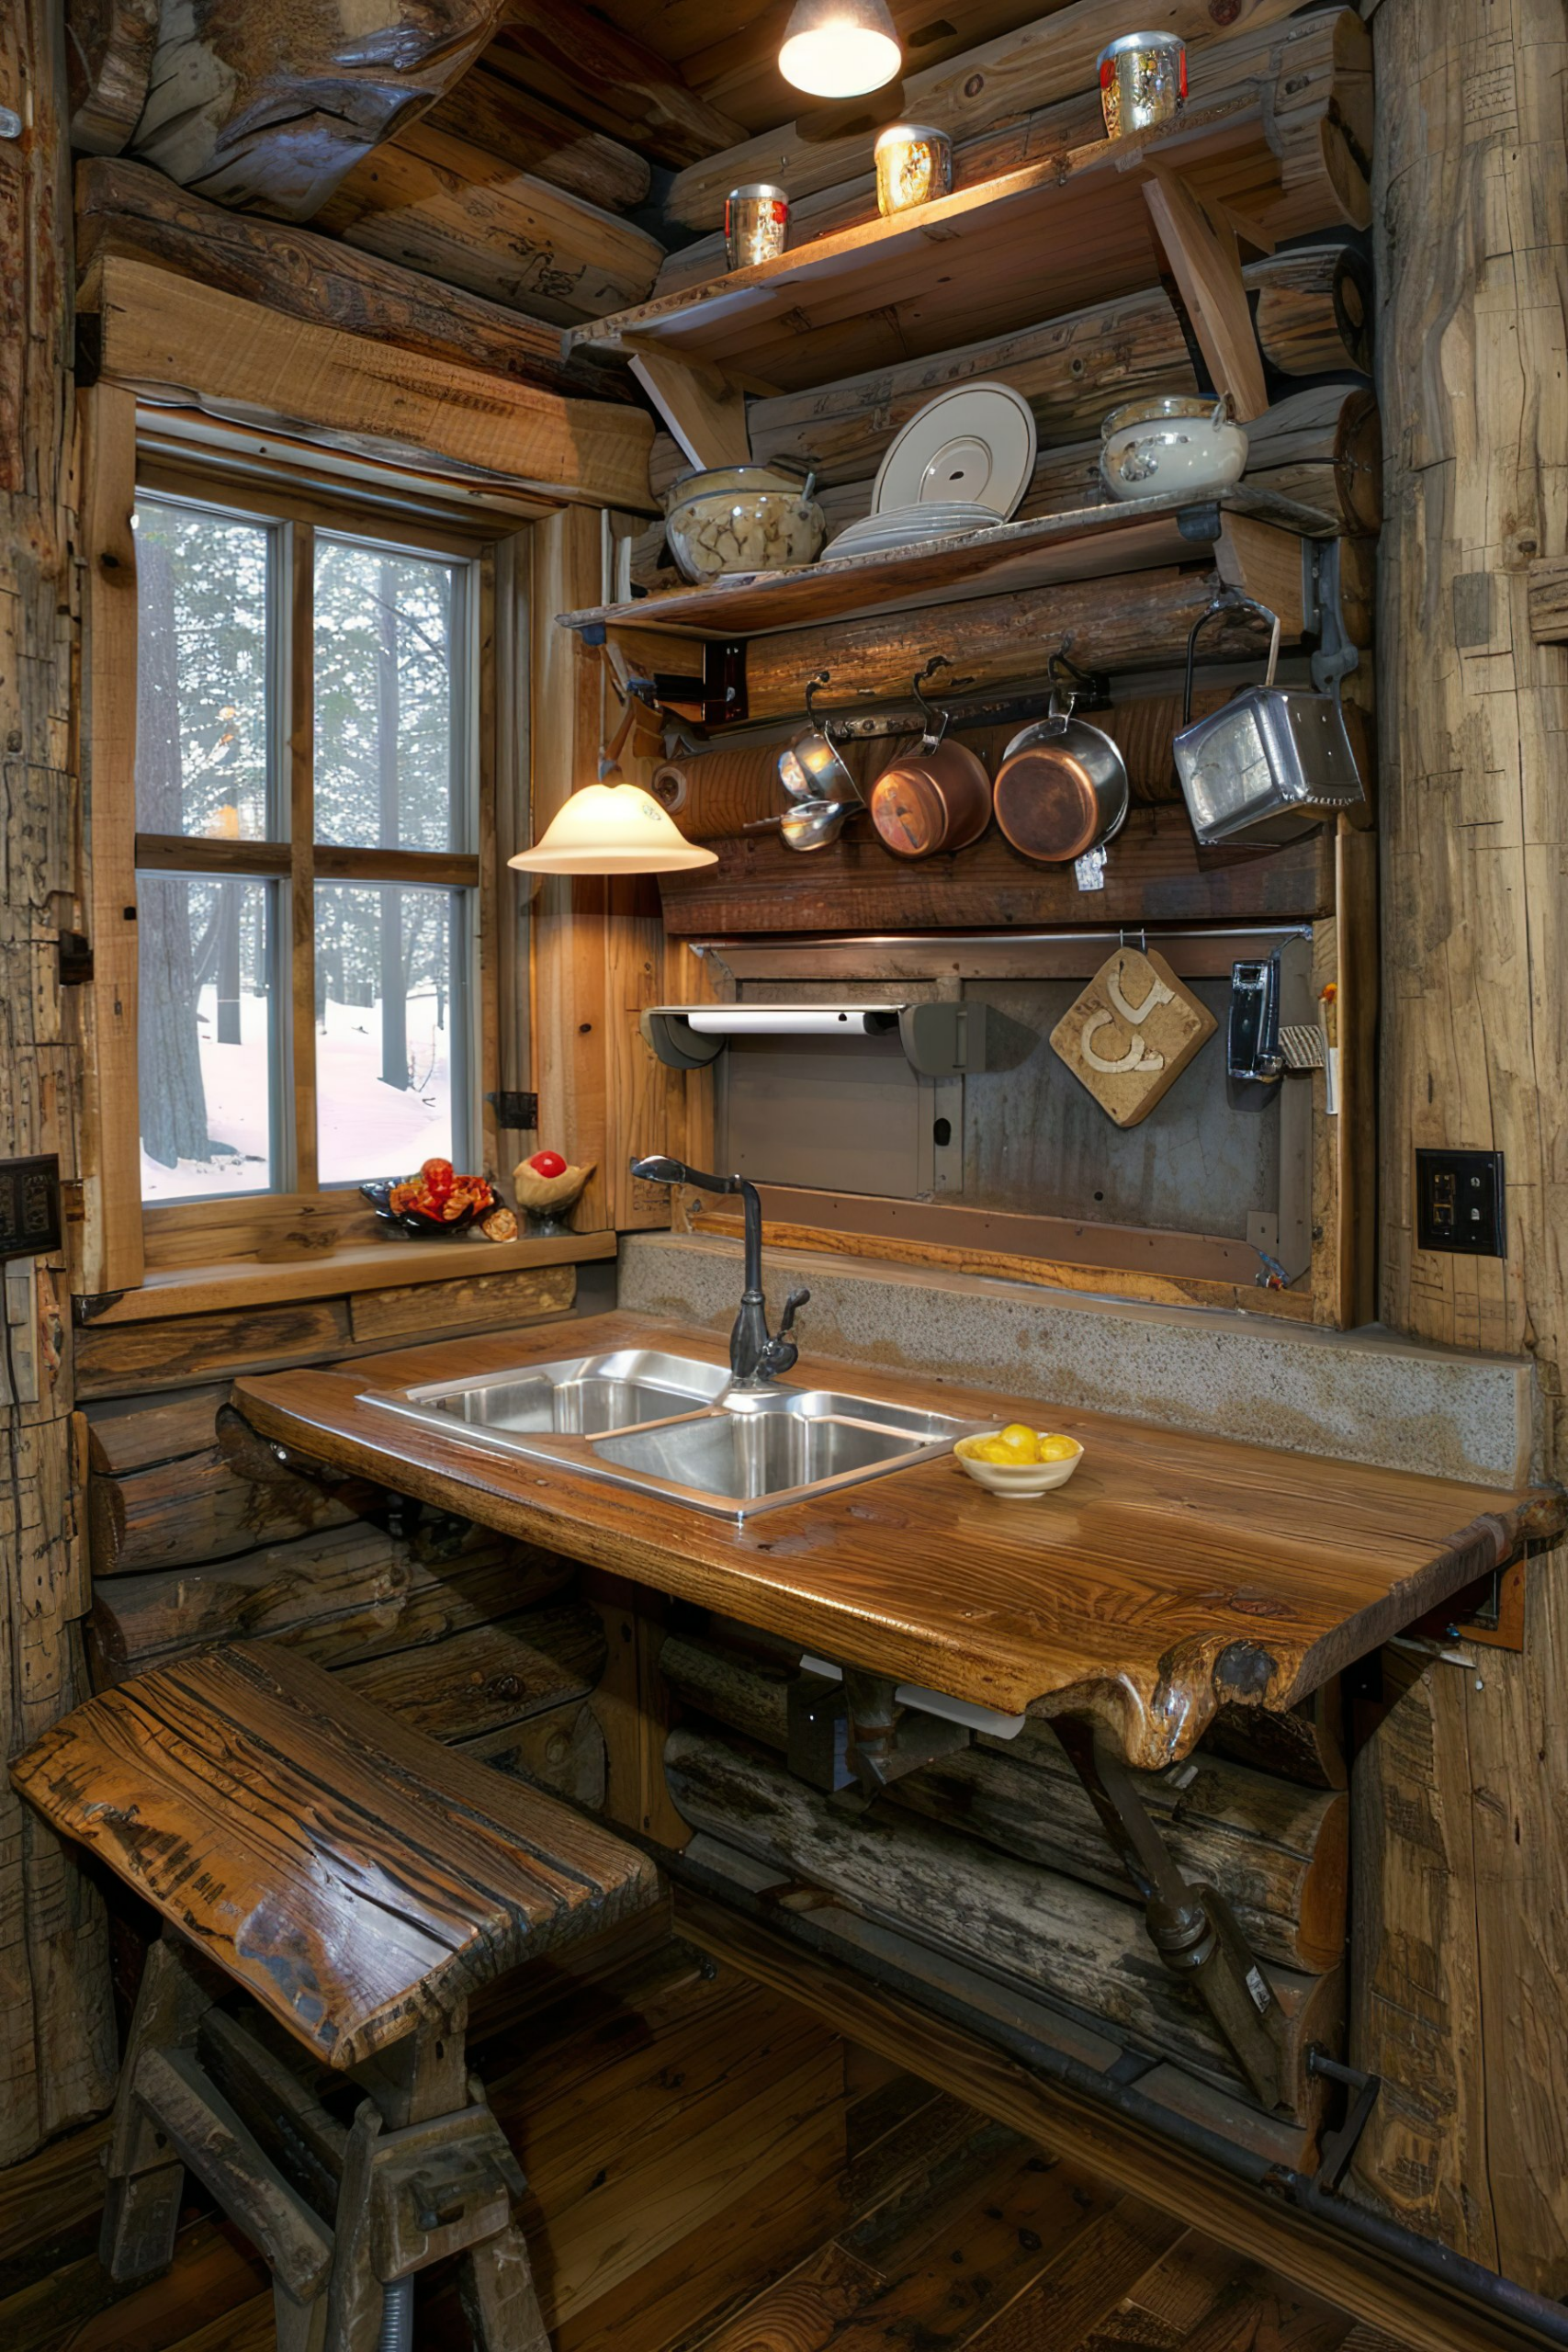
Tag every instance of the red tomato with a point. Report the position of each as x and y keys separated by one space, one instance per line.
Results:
x=548 y=1163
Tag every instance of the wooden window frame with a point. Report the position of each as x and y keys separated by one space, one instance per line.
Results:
x=121 y=1244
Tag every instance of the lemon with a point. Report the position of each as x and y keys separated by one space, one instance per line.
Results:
x=1021 y=1443
x=992 y=1449
x=1058 y=1449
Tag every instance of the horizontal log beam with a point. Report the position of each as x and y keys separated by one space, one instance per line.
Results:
x=1277 y=1852
x=439 y=204
x=176 y=342
x=1039 y=65
x=489 y=108
x=266 y=114
x=571 y=57
x=1068 y=1941
x=136 y=214
x=480 y=1682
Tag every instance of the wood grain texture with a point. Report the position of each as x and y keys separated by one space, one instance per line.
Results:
x=166 y=335
x=126 y=209
x=1470 y=241
x=1176 y=1573
x=1055 y=57
x=492 y=109
x=483 y=1682
x=108 y=63
x=570 y=55
x=351 y=1875
x=270 y=123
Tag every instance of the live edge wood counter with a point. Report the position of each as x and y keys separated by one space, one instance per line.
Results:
x=1176 y=1573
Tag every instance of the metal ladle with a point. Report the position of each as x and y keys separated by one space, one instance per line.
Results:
x=810 y=824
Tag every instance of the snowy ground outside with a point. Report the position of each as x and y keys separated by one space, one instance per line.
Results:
x=366 y=1129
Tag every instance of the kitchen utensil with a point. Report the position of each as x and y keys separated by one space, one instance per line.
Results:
x=1142 y=80
x=1062 y=788
x=914 y=166
x=813 y=768
x=975 y=442
x=809 y=825
x=1171 y=442
x=756 y=224
x=1022 y=1481
x=1269 y=764
x=937 y=798
x=742 y=518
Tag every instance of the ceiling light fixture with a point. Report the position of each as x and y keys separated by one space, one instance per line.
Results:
x=613 y=829
x=839 y=49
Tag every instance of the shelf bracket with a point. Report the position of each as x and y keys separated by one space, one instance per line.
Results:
x=1206 y=266
x=1192 y=1927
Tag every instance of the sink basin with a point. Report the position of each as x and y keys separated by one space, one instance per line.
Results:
x=668 y=1425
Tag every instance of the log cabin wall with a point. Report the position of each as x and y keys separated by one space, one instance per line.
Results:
x=192 y=1528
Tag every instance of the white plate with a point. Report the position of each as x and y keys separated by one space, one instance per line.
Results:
x=975 y=444
x=879 y=533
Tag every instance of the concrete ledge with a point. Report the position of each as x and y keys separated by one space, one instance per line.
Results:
x=1363 y=1396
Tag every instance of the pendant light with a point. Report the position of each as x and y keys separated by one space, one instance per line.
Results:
x=613 y=829
x=839 y=49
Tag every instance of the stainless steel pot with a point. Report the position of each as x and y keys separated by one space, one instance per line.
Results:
x=1271 y=764
x=813 y=768
x=1062 y=788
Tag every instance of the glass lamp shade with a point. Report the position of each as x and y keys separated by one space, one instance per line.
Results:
x=839 y=49
x=612 y=829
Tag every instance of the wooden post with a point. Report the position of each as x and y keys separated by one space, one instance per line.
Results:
x=56 y=2030
x=1473 y=227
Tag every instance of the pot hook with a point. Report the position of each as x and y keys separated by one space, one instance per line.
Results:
x=930 y=741
x=824 y=726
x=1067 y=682
x=1228 y=601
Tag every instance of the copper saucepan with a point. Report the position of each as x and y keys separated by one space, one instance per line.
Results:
x=934 y=798
x=1062 y=788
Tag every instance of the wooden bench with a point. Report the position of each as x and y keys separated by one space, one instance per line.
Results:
x=359 y=1883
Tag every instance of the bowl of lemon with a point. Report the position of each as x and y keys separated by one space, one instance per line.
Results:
x=1018 y=1461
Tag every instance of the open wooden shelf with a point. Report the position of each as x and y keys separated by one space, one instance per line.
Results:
x=1131 y=534
x=1059 y=234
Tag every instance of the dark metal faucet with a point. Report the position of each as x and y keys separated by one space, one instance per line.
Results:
x=756 y=1356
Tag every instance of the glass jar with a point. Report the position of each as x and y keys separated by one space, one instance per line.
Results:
x=1142 y=82
x=914 y=166
x=756 y=224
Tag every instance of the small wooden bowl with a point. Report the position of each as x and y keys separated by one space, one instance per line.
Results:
x=1022 y=1481
x=545 y=1196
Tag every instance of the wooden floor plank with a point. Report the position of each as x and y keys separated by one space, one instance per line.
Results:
x=1087 y=2282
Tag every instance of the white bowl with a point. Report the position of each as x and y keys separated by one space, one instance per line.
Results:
x=1021 y=1480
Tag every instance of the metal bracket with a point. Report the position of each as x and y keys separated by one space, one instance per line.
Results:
x=1192 y=1927
x=1337 y=2148
x=886 y=1740
x=1323 y=613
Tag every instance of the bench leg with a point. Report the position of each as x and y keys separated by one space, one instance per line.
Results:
x=495 y=2282
x=141 y=2205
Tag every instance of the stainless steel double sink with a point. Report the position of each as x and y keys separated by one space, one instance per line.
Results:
x=673 y=1426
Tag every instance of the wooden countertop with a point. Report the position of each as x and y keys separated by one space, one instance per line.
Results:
x=1175 y=1572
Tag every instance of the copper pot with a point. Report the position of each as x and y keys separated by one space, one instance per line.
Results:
x=1062 y=787
x=935 y=798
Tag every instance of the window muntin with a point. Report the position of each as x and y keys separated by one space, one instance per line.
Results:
x=368 y=742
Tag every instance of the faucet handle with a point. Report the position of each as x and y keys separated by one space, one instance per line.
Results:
x=780 y=1352
x=796 y=1299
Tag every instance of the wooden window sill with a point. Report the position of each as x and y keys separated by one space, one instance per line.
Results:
x=377 y=1265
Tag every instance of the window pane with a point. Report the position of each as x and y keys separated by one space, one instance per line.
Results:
x=392 y=1029
x=203 y=673
x=209 y=1040
x=391 y=758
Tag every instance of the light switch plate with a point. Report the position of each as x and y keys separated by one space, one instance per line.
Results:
x=1459 y=1203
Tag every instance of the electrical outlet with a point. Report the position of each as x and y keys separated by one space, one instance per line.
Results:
x=1459 y=1203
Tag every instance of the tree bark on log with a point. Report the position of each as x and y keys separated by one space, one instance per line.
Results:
x=1275 y=1851
x=1033 y=1926
x=1472 y=262
x=1313 y=310
x=265 y=111
x=57 y=2055
x=124 y=209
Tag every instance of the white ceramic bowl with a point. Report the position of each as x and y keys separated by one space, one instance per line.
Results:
x=1172 y=443
x=742 y=518
x=1021 y=1480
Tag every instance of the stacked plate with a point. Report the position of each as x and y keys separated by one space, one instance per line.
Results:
x=962 y=463
x=906 y=526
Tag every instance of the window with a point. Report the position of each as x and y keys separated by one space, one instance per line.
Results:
x=307 y=852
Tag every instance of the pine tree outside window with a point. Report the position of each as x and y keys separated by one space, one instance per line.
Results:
x=308 y=876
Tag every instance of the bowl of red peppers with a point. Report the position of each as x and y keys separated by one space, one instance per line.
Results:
x=438 y=1202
